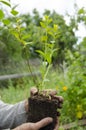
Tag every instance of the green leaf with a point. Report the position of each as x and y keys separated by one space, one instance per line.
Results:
x=80 y=91
x=42 y=24
x=6 y=21
x=50 y=45
x=6 y=3
x=51 y=33
x=44 y=38
x=55 y=27
x=84 y=18
x=13 y=8
x=41 y=53
x=24 y=37
x=27 y=43
x=81 y=11
x=47 y=57
x=1 y=14
x=14 y=12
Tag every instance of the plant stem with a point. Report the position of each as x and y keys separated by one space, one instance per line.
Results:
x=29 y=68
x=42 y=84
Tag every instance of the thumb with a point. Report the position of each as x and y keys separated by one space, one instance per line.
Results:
x=33 y=91
x=43 y=122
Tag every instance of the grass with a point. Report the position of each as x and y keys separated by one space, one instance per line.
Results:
x=17 y=92
x=19 y=89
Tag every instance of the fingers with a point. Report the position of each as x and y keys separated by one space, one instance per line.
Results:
x=59 y=98
x=49 y=92
x=52 y=93
x=43 y=122
x=33 y=91
x=56 y=128
x=57 y=125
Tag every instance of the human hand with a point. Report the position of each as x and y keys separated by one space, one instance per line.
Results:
x=35 y=126
x=53 y=95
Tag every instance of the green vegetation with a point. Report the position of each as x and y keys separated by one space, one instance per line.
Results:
x=21 y=38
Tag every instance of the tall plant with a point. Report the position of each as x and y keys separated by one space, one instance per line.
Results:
x=47 y=41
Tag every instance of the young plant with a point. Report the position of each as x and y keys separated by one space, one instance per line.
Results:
x=49 y=35
x=47 y=41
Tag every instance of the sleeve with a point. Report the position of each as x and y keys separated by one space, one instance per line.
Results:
x=12 y=116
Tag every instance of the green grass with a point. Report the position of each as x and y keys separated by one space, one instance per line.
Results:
x=16 y=92
x=19 y=89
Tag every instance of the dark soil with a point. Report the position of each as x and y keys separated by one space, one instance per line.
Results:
x=41 y=107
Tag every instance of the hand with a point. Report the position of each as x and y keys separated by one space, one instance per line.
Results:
x=35 y=126
x=50 y=92
x=53 y=95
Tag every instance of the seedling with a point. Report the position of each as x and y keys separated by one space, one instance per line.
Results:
x=47 y=39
